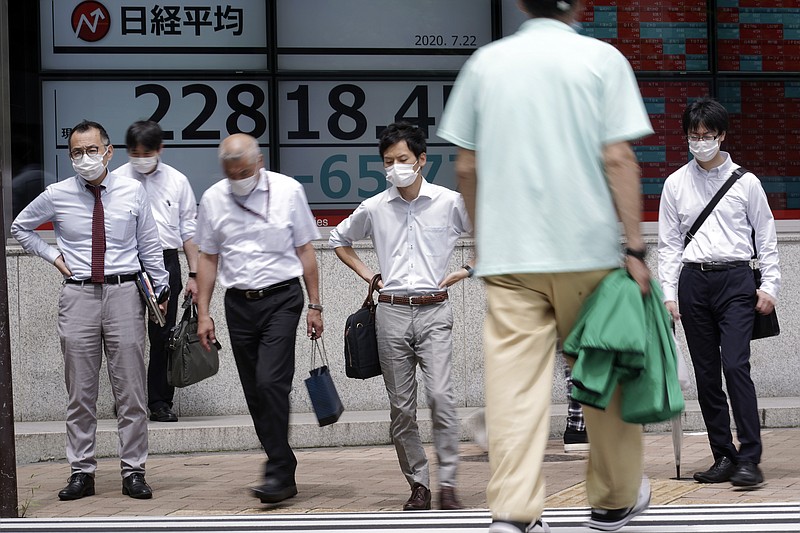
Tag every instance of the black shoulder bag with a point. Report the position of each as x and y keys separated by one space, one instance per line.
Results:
x=763 y=325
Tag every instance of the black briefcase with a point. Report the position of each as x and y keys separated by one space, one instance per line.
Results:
x=764 y=326
x=360 y=344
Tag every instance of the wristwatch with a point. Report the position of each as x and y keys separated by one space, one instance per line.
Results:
x=316 y=307
x=638 y=254
x=470 y=270
x=192 y=274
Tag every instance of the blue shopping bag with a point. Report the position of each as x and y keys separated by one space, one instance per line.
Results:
x=324 y=398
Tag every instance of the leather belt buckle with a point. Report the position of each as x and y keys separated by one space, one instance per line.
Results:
x=416 y=300
x=254 y=295
x=706 y=267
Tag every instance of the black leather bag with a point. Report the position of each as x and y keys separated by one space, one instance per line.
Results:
x=324 y=398
x=360 y=344
x=764 y=325
x=188 y=362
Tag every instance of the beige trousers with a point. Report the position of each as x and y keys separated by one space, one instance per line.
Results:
x=527 y=312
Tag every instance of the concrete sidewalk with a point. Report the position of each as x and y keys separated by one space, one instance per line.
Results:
x=368 y=479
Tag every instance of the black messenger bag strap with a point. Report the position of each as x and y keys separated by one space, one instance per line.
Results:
x=738 y=173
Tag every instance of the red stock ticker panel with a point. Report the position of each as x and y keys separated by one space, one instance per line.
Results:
x=655 y=36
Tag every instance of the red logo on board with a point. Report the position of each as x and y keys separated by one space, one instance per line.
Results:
x=90 y=21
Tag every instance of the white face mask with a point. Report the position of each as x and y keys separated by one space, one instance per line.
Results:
x=244 y=186
x=704 y=150
x=144 y=165
x=90 y=167
x=401 y=174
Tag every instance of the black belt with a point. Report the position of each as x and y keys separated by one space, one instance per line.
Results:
x=716 y=265
x=170 y=253
x=257 y=294
x=428 y=299
x=115 y=279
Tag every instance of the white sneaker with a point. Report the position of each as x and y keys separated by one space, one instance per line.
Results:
x=612 y=520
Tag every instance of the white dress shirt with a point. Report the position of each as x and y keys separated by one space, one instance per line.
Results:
x=414 y=240
x=131 y=232
x=172 y=201
x=255 y=253
x=726 y=235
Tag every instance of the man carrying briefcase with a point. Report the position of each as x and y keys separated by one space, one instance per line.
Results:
x=413 y=320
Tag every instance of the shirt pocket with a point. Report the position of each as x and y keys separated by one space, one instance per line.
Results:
x=174 y=215
x=434 y=240
x=121 y=227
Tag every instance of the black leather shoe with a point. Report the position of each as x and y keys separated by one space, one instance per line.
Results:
x=78 y=486
x=747 y=474
x=274 y=492
x=136 y=487
x=420 y=499
x=165 y=414
x=720 y=472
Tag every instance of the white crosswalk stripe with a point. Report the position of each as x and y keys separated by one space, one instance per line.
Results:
x=766 y=518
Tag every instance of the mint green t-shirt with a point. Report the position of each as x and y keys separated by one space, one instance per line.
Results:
x=538 y=107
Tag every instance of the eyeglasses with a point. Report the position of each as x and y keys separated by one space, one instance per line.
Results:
x=708 y=137
x=78 y=153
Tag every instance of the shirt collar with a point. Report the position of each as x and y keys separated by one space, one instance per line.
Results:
x=540 y=23
x=425 y=189
x=159 y=169
x=263 y=180
x=722 y=171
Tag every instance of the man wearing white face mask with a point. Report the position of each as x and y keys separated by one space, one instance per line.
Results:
x=711 y=281
x=414 y=226
x=104 y=227
x=257 y=227
x=174 y=209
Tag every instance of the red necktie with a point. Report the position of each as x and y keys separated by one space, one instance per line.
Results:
x=98 y=236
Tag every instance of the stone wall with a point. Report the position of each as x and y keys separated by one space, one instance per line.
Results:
x=38 y=369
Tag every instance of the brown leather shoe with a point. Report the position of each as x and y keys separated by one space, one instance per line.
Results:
x=448 y=500
x=420 y=499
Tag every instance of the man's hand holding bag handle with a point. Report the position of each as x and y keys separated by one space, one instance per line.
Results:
x=360 y=344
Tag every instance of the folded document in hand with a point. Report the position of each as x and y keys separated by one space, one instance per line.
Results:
x=145 y=284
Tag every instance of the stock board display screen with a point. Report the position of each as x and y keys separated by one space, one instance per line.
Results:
x=758 y=35
x=763 y=131
x=329 y=137
x=205 y=70
x=380 y=34
x=656 y=36
x=763 y=136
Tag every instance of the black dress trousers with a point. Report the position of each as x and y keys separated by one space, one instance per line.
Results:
x=717 y=315
x=159 y=392
x=262 y=334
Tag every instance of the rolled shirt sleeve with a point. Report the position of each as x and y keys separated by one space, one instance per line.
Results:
x=355 y=227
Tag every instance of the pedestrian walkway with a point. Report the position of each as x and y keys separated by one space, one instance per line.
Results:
x=368 y=479
x=659 y=519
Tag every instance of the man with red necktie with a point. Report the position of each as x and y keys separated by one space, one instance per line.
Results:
x=104 y=228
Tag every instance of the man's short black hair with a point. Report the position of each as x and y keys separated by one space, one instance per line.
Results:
x=86 y=125
x=403 y=131
x=547 y=8
x=706 y=112
x=145 y=133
